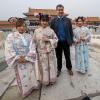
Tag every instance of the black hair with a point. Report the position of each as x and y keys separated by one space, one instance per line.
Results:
x=12 y=19
x=22 y=19
x=44 y=17
x=15 y=19
x=59 y=5
x=80 y=18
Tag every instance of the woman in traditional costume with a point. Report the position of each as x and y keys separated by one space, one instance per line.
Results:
x=82 y=37
x=46 y=42
x=20 y=53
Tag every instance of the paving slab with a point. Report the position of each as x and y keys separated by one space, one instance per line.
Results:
x=1 y=54
x=3 y=65
x=6 y=78
x=62 y=90
x=76 y=87
x=13 y=94
x=96 y=98
x=66 y=87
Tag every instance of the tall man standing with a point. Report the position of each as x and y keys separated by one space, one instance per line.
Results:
x=63 y=29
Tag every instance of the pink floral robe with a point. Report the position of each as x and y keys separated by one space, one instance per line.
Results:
x=46 y=54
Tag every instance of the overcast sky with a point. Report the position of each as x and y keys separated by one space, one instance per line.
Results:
x=74 y=8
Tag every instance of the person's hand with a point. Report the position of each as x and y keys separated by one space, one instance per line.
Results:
x=21 y=59
x=83 y=39
x=34 y=56
x=37 y=37
x=45 y=38
x=78 y=41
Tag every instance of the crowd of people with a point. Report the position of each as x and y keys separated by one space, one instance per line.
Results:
x=34 y=57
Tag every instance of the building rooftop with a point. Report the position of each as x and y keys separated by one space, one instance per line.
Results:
x=44 y=11
x=5 y=24
x=93 y=19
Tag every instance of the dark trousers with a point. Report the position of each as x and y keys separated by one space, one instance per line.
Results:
x=63 y=47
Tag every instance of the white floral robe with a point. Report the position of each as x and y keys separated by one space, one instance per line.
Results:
x=17 y=45
x=46 y=54
x=81 y=49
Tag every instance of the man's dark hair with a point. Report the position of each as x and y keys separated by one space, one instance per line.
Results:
x=59 y=5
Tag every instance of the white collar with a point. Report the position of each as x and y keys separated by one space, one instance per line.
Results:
x=60 y=16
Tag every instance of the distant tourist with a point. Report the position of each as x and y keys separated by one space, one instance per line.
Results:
x=85 y=21
x=63 y=28
x=20 y=54
x=13 y=21
x=82 y=37
x=46 y=42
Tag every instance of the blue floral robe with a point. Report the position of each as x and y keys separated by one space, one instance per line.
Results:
x=17 y=45
x=81 y=49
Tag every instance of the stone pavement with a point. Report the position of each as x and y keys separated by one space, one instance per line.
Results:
x=1 y=55
x=66 y=87
x=96 y=98
x=3 y=65
x=6 y=78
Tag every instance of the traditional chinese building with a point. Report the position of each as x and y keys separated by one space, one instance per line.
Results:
x=6 y=26
x=31 y=15
x=93 y=20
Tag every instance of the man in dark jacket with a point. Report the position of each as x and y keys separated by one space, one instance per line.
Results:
x=63 y=29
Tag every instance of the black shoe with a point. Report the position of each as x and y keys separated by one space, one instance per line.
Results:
x=70 y=72
x=86 y=98
x=58 y=73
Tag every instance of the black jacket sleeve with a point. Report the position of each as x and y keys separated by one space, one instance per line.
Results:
x=52 y=23
x=71 y=30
